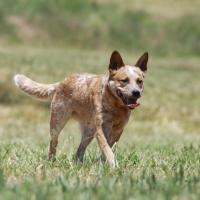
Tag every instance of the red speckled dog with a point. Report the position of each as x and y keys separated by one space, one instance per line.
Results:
x=101 y=103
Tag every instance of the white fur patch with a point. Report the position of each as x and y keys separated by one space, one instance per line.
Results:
x=130 y=70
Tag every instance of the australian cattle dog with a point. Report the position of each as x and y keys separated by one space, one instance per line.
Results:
x=100 y=103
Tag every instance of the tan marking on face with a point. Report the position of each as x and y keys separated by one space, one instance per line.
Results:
x=120 y=74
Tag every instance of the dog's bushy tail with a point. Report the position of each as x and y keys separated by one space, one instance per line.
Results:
x=40 y=91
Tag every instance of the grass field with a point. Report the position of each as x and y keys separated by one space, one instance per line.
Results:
x=158 y=154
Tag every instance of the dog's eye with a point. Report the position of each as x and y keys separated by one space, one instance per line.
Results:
x=124 y=80
x=139 y=81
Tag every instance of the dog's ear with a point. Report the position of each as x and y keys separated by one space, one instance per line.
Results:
x=115 y=61
x=142 y=62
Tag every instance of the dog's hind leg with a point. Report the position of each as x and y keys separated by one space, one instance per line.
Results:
x=60 y=113
x=87 y=136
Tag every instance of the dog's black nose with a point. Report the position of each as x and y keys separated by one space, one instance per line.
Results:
x=136 y=93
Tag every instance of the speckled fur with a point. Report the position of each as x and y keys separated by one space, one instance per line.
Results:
x=92 y=100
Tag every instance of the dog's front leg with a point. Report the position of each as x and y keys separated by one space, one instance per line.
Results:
x=103 y=144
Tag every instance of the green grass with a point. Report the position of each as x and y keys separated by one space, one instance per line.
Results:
x=158 y=154
x=145 y=172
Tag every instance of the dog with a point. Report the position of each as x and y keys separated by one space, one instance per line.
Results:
x=100 y=103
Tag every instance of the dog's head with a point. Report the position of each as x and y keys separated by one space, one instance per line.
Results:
x=126 y=81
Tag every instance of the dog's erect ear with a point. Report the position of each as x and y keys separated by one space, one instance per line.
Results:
x=115 y=61
x=142 y=62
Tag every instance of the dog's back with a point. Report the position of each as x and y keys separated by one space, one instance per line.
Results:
x=79 y=90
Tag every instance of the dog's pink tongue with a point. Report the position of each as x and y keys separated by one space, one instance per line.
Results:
x=133 y=106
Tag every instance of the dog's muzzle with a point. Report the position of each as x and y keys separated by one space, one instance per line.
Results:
x=129 y=101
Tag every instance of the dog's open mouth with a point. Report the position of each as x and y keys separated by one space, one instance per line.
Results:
x=130 y=102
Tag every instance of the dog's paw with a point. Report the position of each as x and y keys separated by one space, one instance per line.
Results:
x=111 y=160
x=114 y=164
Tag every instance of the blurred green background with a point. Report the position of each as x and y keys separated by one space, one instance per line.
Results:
x=159 y=151
x=162 y=27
